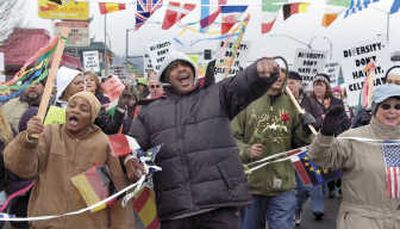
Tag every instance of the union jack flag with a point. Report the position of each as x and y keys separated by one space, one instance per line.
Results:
x=391 y=155
x=144 y=10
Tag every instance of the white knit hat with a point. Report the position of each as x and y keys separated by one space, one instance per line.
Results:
x=172 y=57
x=64 y=77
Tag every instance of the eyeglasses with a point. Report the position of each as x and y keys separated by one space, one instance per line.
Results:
x=386 y=106
x=155 y=86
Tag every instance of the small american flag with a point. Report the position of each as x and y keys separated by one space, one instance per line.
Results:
x=391 y=155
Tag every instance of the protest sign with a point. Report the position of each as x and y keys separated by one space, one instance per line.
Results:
x=158 y=52
x=113 y=87
x=147 y=63
x=55 y=115
x=226 y=55
x=91 y=61
x=354 y=60
x=308 y=63
x=332 y=69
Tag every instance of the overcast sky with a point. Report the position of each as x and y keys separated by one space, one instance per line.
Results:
x=285 y=37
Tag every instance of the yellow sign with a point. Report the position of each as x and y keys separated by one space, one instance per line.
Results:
x=76 y=10
x=55 y=115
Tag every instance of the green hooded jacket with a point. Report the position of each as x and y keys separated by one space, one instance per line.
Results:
x=275 y=123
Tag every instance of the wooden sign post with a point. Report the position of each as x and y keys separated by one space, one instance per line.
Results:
x=299 y=108
x=44 y=102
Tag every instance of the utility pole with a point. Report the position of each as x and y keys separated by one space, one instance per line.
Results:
x=105 y=62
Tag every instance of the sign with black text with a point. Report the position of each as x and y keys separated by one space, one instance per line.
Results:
x=91 y=61
x=231 y=56
x=308 y=63
x=157 y=53
x=354 y=60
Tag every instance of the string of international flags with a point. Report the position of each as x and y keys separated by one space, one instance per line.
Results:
x=230 y=14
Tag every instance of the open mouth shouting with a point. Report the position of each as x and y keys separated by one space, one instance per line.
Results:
x=181 y=78
x=78 y=115
x=73 y=121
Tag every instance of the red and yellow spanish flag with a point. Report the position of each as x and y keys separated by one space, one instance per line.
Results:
x=145 y=205
x=109 y=7
x=294 y=8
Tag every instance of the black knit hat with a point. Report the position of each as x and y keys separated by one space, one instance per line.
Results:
x=294 y=75
x=322 y=77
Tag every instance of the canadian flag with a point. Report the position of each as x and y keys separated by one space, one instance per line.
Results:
x=175 y=13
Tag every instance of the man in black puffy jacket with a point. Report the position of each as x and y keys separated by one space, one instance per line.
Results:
x=202 y=182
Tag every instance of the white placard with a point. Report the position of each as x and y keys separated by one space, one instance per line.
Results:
x=157 y=53
x=227 y=52
x=308 y=63
x=354 y=59
x=332 y=69
x=147 y=63
x=91 y=61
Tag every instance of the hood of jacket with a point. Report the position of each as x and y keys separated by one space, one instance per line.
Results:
x=172 y=57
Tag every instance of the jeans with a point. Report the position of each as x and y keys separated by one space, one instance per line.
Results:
x=316 y=193
x=278 y=211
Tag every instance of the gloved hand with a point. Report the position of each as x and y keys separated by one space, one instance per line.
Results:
x=333 y=120
x=308 y=119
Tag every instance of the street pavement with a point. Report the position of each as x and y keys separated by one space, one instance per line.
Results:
x=329 y=219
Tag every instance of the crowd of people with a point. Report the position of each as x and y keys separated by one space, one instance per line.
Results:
x=207 y=132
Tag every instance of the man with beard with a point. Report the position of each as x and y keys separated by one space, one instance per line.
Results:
x=15 y=108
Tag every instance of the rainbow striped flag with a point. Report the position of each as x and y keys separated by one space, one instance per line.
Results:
x=34 y=71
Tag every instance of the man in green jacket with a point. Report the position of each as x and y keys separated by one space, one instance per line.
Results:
x=270 y=125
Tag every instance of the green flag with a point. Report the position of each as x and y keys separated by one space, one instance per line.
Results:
x=272 y=5
x=345 y=3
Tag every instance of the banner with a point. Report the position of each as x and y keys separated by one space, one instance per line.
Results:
x=78 y=35
x=91 y=61
x=355 y=58
x=239 y=59
x=308 y=63
x=75 y=10
x=158 y=52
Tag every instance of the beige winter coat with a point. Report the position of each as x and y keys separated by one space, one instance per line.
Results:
x=52 y=162
x=365 y=203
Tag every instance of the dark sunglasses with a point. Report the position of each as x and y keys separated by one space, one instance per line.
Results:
x=386 y=106
x=155 y=86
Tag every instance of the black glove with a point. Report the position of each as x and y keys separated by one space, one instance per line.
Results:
x=332 y=123
x=307 y=119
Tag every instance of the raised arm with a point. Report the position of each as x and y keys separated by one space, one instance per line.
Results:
x=239 y=91
x=25 y=156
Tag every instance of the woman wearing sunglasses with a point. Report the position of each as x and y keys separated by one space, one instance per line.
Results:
x=369 y=157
